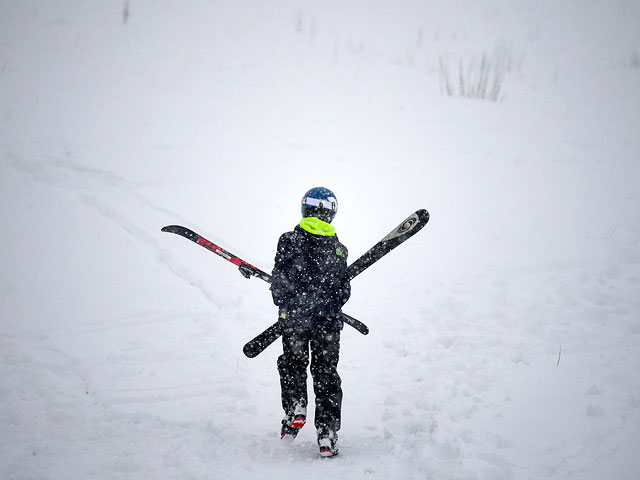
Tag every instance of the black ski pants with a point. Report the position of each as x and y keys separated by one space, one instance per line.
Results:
x=292 y=366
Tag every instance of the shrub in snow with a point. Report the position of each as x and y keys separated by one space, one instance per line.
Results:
x=475 y=76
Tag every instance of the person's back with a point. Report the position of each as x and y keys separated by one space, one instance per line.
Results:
x=309 y=277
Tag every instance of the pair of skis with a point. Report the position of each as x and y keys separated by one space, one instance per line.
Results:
x=409 y=227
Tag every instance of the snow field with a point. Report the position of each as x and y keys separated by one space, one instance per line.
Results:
x=504 y=336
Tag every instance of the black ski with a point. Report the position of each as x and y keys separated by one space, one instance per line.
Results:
x=409 y=227
x=257 y=345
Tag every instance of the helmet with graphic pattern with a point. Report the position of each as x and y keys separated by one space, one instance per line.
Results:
x=320 y=202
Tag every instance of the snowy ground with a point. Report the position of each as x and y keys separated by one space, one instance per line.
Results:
x=505 y=337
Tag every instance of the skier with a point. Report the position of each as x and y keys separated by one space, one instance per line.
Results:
x=310 y=284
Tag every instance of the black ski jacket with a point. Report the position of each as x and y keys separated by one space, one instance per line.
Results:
x=310 y=281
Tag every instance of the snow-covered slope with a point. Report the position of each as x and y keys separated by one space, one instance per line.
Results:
x=505 y=337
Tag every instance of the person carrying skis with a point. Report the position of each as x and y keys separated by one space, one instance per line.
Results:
x=310 y=284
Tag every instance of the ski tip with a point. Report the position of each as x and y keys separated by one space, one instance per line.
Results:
x=182 y=231
x=423 y=215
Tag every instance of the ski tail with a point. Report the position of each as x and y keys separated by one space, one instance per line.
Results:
x=355 y=323
x=257 y=345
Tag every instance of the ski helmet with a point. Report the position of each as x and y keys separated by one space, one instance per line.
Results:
x=321 y=203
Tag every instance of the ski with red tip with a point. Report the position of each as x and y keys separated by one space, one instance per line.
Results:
x=245 y=268
x=248 y=271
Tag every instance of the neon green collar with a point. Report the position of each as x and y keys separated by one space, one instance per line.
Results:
x=317 y=227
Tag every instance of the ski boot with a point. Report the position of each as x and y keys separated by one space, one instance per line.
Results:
x=327 y=441
x=294 y=421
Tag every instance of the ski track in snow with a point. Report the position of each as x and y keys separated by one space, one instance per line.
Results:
x=96 y=189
